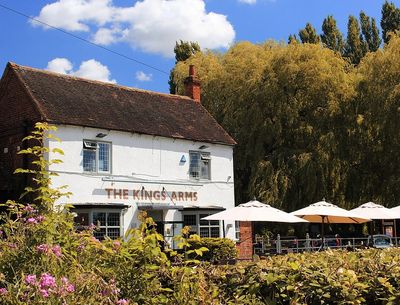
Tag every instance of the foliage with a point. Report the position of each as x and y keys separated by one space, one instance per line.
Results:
x=183 y=50
x=355 y=46
x=220 y=250
x=309 y=34
x=332 y=38
x=390 y=21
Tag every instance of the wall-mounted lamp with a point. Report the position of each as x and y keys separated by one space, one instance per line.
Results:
x=203 y=147
x=183 y=159
x=229 y=178
x=101 y=135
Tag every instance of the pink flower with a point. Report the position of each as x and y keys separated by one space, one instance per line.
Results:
x=31 y=220
x=12 y=246
x=116 y=244
x=122 y=302
x=56 y=250
x=30 y=279
x=44 y=293
x=43 y=248
x=29 y=209
x=67 y=286
x=47 y=281
x=40 y=218
x=3 y=291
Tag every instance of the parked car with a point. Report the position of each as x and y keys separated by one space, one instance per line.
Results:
x=380 y=241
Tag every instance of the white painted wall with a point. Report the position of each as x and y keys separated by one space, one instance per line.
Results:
x=142 y=161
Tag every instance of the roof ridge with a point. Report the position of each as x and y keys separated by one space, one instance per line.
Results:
x=18 y=66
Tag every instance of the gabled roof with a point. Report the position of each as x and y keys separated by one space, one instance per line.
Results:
x=63 y=99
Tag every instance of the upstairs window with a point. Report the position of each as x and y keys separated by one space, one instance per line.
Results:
x=200 y=165
x=96 y=156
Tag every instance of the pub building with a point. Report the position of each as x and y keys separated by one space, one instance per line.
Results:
x=126 y=150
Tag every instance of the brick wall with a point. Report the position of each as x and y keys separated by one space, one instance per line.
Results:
x=17 y=116
x=245 y=244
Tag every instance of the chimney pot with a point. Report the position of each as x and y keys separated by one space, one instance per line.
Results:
x=192 y=71
x=192 y=84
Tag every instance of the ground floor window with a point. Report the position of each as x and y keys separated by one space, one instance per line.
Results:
x=108 y=222
x=204 y=228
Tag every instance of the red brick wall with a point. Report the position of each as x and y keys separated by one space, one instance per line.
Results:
x=17 y=116
x=245 y=244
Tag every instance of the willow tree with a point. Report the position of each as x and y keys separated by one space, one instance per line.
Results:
x=281 y=103
x=376 y=126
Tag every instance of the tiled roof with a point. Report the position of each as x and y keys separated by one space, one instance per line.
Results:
x=63 y=99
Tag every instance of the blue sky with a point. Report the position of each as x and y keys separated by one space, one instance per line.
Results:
x=146 y=30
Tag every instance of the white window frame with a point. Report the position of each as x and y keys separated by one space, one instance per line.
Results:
x=86 y=144
x=90 y=213
x=202 y=156
x=196 y=229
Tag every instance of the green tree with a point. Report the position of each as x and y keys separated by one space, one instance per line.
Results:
x=332 y=38
x=309 y=34
x=183 y=50
x=355 y=48
x=370 y=32
x=293 y=39
x=390 y=21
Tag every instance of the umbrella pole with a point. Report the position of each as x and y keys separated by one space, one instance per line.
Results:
x=322 y=232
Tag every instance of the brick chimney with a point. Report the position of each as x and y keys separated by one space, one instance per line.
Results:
x=192 y=85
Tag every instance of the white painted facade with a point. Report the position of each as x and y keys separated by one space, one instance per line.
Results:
x=145 y=163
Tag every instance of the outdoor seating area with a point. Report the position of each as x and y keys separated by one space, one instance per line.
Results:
x=322 y=213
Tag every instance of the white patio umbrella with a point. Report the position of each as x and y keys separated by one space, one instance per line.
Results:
x=395 y=212
x=255 y=211
x=374 y=211
x=322 y=212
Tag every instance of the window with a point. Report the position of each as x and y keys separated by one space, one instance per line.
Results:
x=96 y=156
x=108 y=223
x=237 y=230
x=204 y=228
x=200 y=165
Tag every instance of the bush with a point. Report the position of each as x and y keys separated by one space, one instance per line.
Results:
x=43 y=260
x=219 y=249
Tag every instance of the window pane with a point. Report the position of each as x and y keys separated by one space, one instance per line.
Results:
x=205 y=166
x=113 y=233
x=194 y=169
x=214 y=231
x=189 y=220
x=99 y=219
x=113 y=219
x=104 y=157
x=89 y=160
x=204 y=222
x=204 y=232
x=100 y=233
x=82 y=219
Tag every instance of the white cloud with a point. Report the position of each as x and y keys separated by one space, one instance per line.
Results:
x=60 y=65
x=248 y=1
x=91 y=69
x=143 y=77
x=150 y=25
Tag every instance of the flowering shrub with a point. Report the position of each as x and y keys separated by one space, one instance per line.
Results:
x=44 y=260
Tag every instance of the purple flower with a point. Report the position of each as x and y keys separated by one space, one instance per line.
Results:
x=40 y=218
x=92 y=227
x=56 y=250
x=31 y=220
x=29 y=209
x=12 y=246
x=47 y=281
x=3 y=291
x=30 y=279
x=122 y=302
x=67 y=286
x=44 y=293
x=43 y=248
